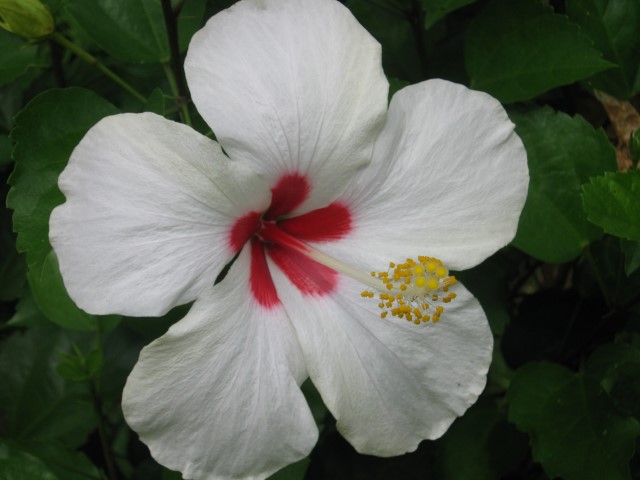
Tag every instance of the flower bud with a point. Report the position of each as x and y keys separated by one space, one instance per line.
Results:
x=27 y=18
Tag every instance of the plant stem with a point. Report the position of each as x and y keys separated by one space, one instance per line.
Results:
x=94 y=386
x=178 y=83
x=102 y=432
x=87 y=57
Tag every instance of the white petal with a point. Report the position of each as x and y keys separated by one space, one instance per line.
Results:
x=217 y=396
x=448 y=179
x=290 y=86
x=390 y=383
x=150 y=206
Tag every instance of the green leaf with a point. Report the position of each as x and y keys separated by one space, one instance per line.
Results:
x=54 y=461
x=387 y=21
x=617 y=366
x=52 y=298
x=575 y=430
x=46 y=132
x=489 y=445
x=22 y=466
x=27 y=313
x=131 y=31
x=518 y=50
x=434 y=10
x=190 y=20
x=12 y=271
x=295 y=471
x=5 y=150
x=37 y=404
x=613 y=27
x=612 y=202
x=155 y=103
x=134 y=31
x=631 y=252
x=78 y=367
x=599 y=273
x=563 y=153
x=12 y=264
x=16 y=57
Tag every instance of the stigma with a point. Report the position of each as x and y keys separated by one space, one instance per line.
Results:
x=416 y=291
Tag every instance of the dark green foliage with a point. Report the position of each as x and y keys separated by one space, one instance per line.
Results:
x=563 y=154
x=519 y=49
x=563 y=301
x=612 y=202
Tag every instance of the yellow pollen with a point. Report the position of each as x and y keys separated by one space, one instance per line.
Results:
x=411 y=288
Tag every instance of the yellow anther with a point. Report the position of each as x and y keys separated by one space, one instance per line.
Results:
x=433 y=284
x=410 y=289
x=450 y=281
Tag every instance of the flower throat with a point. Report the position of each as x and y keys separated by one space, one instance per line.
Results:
x=415 y=290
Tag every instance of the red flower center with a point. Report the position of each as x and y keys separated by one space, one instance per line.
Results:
x=272 y=232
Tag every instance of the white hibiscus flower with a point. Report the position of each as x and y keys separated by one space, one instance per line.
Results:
x=321 y=186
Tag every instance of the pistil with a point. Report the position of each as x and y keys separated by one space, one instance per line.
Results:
x=414 y=290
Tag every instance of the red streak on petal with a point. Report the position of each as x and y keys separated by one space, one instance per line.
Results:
x=261 y=283
x=242 y=230
x=310 y=277
x=321 y=225
x=290 y=191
